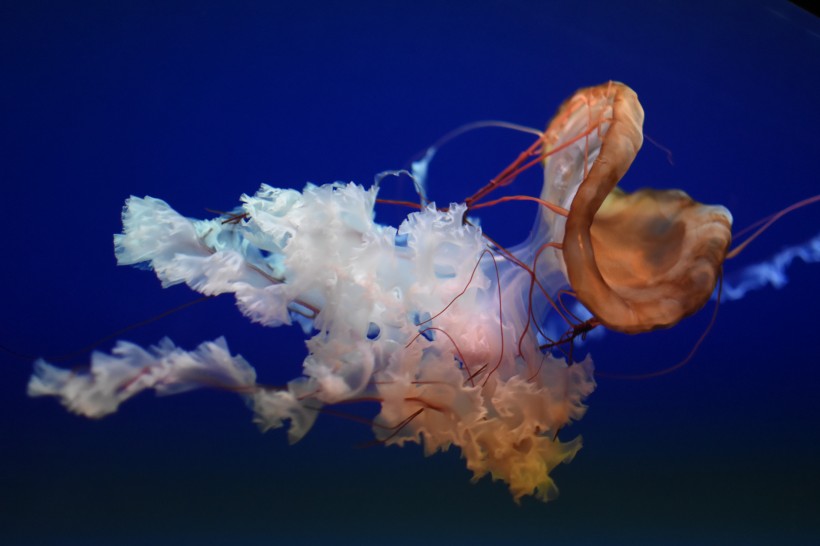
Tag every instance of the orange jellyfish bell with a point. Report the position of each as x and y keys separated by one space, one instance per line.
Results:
x=638 y=261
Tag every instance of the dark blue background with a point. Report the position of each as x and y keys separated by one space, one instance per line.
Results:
x=198 y=103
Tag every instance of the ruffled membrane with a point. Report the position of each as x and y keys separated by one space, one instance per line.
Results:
x=371 y=299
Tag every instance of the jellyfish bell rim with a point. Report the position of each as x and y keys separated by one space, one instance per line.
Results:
x=677 y=243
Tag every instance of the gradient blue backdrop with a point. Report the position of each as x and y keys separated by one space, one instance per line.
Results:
x=198 y=103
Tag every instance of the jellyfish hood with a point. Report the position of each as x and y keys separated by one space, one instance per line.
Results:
x=639 y=261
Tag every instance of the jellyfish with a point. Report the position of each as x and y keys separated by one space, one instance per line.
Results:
x=444 y=328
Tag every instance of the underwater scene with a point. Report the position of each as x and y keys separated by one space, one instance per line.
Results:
x=410 y=272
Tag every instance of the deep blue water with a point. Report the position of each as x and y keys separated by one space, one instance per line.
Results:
x=199 y=103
